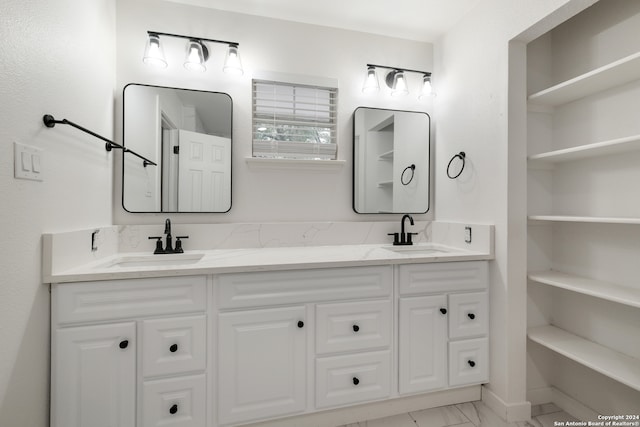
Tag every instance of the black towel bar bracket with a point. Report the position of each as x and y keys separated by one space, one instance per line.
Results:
x=109 y=145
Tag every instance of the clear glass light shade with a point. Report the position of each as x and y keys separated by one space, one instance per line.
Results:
x=232 y=63
x=399 y=87
x=153 y=52
x=195 y=56
x=371 y=83
x=427 y=90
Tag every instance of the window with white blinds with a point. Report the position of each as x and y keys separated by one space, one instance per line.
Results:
x=292 y=121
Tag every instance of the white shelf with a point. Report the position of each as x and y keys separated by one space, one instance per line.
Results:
x=386 y=156
x=615 y=365
x=614 y=146
x=591 y=219
x=595 y=288
x=606 y=77
x=269 y=164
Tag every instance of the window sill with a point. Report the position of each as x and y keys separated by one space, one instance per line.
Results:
x=265 y=164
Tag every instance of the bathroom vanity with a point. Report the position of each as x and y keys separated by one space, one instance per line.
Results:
x=231 y=337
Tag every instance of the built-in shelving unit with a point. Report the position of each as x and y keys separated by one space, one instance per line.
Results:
x=591 y=219
x=604 y=148
x=600 y=102
x=606 y=77
x=620 y=367
x=595 y=288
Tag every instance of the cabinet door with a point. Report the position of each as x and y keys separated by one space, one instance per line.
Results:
x=423 y=343
x=261 y=364
x=94 y=376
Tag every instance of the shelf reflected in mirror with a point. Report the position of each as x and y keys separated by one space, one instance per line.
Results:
x=391 y=161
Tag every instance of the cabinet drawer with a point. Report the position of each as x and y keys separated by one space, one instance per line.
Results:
x=121 y=299
x=443 y=277
x=468 y=362
x=303 y=286
x=468 y=315
x=174 y=402
x=173 y=345
x=342 y=380
x=353 y=326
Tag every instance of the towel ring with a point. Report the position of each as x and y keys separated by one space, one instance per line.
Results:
x=413 y=171
x=461 y=155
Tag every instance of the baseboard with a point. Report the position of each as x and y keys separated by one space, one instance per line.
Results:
x=540 y=396
x=385 y=408
x=573 y=407
x=510 y=412
x=563 y=401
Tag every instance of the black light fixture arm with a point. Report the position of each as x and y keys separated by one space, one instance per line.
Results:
x=157 y=33
x=426 y=73
x=50 y=121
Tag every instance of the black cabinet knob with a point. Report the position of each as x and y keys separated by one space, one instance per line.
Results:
x=124 y=344
x=356 y=381
x=174 y=409
x=443 y=310
x=173 y=348
x=300 y=324
x=356 y=328
x=471 y=363
x=471 y=316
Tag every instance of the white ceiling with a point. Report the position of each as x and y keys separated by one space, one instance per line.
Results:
x=422 y=20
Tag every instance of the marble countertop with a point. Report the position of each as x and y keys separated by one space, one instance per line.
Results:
x=217 y=261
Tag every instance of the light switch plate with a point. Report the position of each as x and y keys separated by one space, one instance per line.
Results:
x=27 y=162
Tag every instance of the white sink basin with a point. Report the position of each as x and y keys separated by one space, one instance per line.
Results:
x=419 y=249
x=162 y=260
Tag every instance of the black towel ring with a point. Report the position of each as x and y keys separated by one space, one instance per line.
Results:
x=461 y=155
x=413 y=171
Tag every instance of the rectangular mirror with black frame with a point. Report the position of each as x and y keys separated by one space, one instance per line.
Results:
x=391 y=162
x=188 y=133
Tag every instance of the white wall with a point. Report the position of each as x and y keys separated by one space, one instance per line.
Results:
x=473 y=115
x=275 y=46
x=57 y=57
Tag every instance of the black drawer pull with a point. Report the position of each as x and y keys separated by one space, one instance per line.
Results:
x=124 y=344
x=356 y=328
x=173 y=348
x=174 y=409
x=356 y=381
x=300 y=324
x=443 y=310
x=471 y=363
x=471 y=316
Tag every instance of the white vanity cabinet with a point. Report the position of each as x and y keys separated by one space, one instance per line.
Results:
x=276 y=328
x=262 y=361
x=94 y=382
x=129 y=353
x=233 y=348
x=443 y=325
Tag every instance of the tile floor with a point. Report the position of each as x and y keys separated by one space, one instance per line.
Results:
x=473 y=414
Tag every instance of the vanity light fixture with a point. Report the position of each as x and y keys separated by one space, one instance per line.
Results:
x=396 y=80
x=371 y=83
x=427 y=90
x=197 y=53
x=153 y=52
x=232 y=64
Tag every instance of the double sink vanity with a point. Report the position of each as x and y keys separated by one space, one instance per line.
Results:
x=232 y=336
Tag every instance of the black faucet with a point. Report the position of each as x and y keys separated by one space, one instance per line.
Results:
x=403 y=238
x=167 y=230
x=168 y=249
